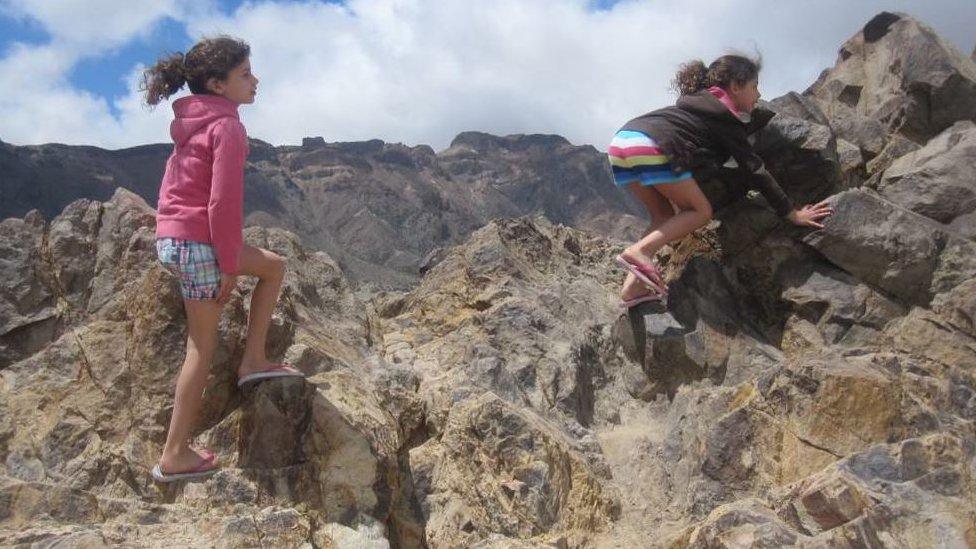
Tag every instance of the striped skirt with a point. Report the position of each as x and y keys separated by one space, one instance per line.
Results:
x=636 y=158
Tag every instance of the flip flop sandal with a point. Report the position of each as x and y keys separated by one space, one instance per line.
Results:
x=647 y=273
x=204 y=469
x=281 y=370
x=205 y=453
x=648 y=297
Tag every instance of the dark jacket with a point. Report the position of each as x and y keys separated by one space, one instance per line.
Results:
x=699 y=134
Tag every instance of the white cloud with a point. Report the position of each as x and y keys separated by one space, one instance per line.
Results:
x=91 y=26
x=421 y=71
x=39 y=104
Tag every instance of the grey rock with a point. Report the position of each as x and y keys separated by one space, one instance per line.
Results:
x=896 y=250
x=912 y=493
x=895 y=76
x=802 y=155
x=799 y=106
x=896 y=147
x=745 y=523
x=852 y=165
x=937 y=180
x=29 y=317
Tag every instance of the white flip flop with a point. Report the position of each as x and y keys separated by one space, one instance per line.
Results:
x=200 y=471
x=283 y=370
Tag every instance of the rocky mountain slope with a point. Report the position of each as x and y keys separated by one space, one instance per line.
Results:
x=377 y=208
x=804 y=389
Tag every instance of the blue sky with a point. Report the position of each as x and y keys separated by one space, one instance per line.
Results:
x=103 y=75
x=413 y=71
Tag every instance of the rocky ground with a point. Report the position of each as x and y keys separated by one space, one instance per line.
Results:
x=806 y=389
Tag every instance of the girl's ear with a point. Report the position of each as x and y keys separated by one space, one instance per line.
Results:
x=214 y=85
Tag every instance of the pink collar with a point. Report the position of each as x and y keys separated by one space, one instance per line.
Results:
x=725 y=98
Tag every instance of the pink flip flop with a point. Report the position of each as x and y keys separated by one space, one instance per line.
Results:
x=279 y=370
x=650 y=296
x=647 y=273
x=205 y=453
x=206 y=468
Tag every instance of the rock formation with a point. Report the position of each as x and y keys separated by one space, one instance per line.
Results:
x=803 y=388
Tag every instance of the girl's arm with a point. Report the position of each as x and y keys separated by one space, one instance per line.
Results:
x=226 y=207
x=757 y=176
x=751 y=166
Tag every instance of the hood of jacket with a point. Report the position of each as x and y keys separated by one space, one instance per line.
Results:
x=195 y=112
x=706 y=105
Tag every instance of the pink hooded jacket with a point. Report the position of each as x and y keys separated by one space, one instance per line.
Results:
x=202 y=193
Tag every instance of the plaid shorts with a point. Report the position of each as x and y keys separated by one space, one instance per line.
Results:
x=195 y=263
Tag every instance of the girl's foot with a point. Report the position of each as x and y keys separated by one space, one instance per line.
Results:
x=265 y=371
x=649 y=297
x=249 y=367
x=635 y=289
x=187 y=460
x=204 y=468
x=635 y=255
x=645 y=271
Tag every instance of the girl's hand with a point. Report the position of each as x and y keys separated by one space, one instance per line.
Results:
x=227 y=285
x=810 y=215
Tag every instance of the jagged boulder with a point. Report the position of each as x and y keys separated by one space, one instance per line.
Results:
x=499 y=470
x=901 y=252
x=744 y=523
x=895 y=76
x=491 y=316
x=916 y=493
x=28 y=303
x=802 y=154
x=701 y=337
x=937 y=180
x=913 y=494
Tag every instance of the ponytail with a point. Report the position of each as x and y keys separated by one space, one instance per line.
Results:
x=164 y=78
x=693 y=76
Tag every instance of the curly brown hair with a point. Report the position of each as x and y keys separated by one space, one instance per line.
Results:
x=693 y=76
x=209 y=58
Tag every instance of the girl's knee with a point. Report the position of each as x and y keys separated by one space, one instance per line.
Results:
x=706 y=211
x=276 y=266
x=701 y=210
x=658 y=219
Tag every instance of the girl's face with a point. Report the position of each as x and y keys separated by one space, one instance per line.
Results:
x=241 y=85
x=745 y=95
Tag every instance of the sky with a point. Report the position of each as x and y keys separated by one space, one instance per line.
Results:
x=413 y=71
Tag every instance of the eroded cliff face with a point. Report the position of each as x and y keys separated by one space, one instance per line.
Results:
x=810 y=389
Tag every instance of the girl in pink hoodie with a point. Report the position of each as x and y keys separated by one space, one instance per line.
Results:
x=199 y=224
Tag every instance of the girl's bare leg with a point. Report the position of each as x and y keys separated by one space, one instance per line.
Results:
x=201 y=319
x=694 y=211
x=660 y=210
x=270 y=270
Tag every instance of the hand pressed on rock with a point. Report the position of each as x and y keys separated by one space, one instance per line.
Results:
x=811 y=215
